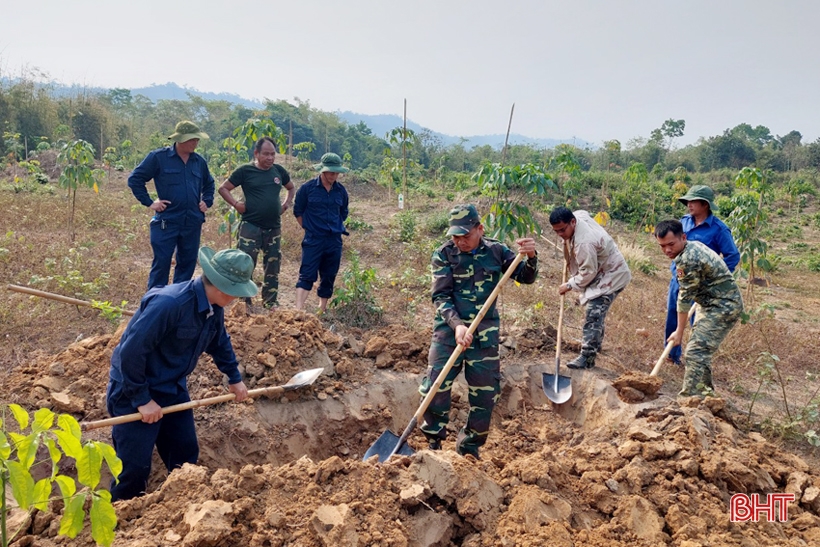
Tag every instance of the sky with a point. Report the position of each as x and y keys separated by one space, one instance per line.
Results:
x=590 y=69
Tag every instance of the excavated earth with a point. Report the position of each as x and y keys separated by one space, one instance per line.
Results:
x=615 y=466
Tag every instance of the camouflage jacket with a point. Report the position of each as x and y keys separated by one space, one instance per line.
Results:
x=463 y=281
x=704 y=277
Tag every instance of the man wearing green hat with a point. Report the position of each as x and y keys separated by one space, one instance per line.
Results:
x=321 y=208
x=185 y=190
x=159 y=348
x=699 y=225
x=466 y=269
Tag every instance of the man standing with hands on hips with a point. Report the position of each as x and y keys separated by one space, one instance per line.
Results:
x=261 y=227
x=185 y=190
x=321 y=208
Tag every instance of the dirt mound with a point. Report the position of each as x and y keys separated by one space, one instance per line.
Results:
x=594 y=472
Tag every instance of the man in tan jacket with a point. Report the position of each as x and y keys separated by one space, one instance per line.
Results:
x=598 y=271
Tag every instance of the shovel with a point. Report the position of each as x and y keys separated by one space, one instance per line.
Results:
x=557 y=388
x=389 y=443
x=57 y=297
x=302 y=379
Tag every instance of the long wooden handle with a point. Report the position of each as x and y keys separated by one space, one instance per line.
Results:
x=668 y=348
x=456 y=352
x=560 y=325
x=273 y=390
x=58 y=297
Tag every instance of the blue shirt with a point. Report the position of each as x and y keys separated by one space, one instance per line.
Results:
x=183 y=184
x=323 y=213
x=163 y=341
x=713 y=233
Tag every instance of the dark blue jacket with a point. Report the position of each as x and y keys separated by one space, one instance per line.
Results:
x=183 y=184
x=163 y=341
x=323 y=213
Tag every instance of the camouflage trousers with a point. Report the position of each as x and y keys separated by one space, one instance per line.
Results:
x=596 y=310
x=252 y=239
x=482 y=370
x=711 y=328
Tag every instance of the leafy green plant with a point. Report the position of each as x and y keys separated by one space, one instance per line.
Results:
x=355 y=223
x=246 y=135
x=354 y=302
x=510 y=188
x=110 y=311
x=747 y=221
x=407 y=226
x=18 y=452
x=77 y=159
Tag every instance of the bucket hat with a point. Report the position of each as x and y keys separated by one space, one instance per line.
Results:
x=185 y=131
x=463 y=218
x=701 y=192
x=331 y=162
x=229 y=270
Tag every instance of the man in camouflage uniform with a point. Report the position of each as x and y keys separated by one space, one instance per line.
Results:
x=261 y=227
x=705 y=279
x=598 y=271
x=465 y=272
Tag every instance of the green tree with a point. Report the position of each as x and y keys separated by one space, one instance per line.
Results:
x=510 y=188
x=18 y=451
x=254 y=129
x=747 y=220
x=77 y=159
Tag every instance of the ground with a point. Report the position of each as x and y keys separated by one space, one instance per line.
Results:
x=624 y=462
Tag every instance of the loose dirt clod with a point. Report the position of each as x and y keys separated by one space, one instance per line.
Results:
x=634 y=387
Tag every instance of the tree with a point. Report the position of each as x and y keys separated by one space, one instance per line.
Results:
x=510 y=188
x=672 y=129
x=77 y=159
x=254 y=129
x=747 y=220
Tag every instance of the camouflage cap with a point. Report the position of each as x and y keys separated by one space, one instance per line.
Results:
x=702 y=193
x=463 y=218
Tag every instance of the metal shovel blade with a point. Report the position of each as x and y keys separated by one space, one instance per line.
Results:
x=304 y=378
x=558 y=389
x=385 y=445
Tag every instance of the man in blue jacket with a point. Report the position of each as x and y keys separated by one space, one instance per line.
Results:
x=699 y=225
x=321 y=208
x=185 y=190
x=158 y=350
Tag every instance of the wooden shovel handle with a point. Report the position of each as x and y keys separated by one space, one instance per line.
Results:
x=57 y=297
x=668 y=348
x=273 y=390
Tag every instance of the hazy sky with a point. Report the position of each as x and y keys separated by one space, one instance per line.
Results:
x=592 y=69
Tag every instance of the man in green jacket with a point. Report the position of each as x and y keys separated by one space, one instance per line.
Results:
x=705 y=279
x=465 y=272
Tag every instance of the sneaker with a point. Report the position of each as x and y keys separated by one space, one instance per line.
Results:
x=581 y=362
x=434 y=444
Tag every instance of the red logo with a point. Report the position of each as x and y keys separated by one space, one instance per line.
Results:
x=744 y=507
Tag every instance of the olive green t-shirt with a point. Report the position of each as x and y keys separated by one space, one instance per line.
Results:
x=261 y=190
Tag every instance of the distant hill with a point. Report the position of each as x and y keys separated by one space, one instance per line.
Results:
x=380 y=124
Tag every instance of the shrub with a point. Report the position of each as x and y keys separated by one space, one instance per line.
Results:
x=407 y=226
x=354 y=302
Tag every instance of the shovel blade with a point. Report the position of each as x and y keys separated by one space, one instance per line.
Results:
x=562 y=393
x=304 y=378
x=385 y=445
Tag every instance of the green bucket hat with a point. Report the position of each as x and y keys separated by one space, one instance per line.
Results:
x=703 y=193
x=229 y=270
x=331 y=162
x=463 y=218
x=185 y=131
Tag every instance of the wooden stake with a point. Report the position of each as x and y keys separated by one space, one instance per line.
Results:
x=507 y=139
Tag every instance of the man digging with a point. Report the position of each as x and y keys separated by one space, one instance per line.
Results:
x=465 y=272
x=705 y=279
x=158 y=350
